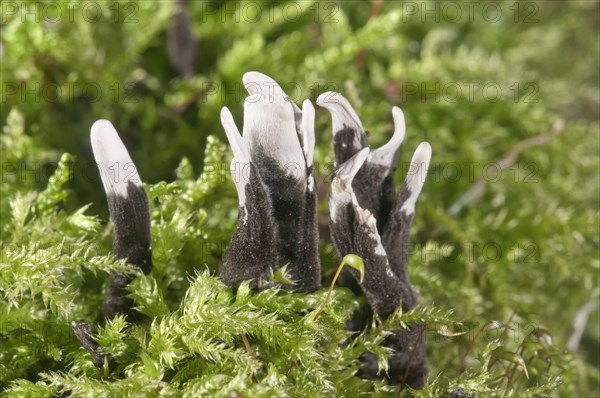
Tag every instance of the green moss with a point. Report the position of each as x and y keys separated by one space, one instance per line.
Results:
x=498 y=280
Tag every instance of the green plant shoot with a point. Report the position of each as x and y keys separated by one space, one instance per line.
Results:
x=351 y=260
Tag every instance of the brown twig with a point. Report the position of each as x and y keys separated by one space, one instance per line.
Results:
x=476 y=191
x=362 y=54
x=292 y=365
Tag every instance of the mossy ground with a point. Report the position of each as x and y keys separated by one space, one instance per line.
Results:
x=511 y=268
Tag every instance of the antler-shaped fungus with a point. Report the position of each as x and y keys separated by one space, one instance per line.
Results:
x=273 y=173
x=370 y=219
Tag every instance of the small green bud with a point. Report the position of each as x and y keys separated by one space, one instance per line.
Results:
x=357 y=263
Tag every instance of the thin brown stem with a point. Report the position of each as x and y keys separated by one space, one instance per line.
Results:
x=335 y=278
x=289 y=369
x=250 y=354
x=412 y=354
x=520 y=376
x=461 y=365
x=513 y=367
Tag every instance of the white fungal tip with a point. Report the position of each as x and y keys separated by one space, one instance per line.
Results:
x=270 y=130
x=417 y=173
x=308 y=131
x=233 y=134
x=116 y=168
x=387 y=153
x=257 y=83
x=343 y=116
x=352 y=165
x=399 y=125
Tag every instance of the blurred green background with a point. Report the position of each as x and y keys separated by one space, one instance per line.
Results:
x=475 y=79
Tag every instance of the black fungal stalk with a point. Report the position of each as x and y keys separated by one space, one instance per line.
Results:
x=83 y=332
x=129 y=211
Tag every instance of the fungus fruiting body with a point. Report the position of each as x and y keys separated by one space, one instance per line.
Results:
x=273 y=173
x=369 y=218
x=129 y=212
x=272 y=169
